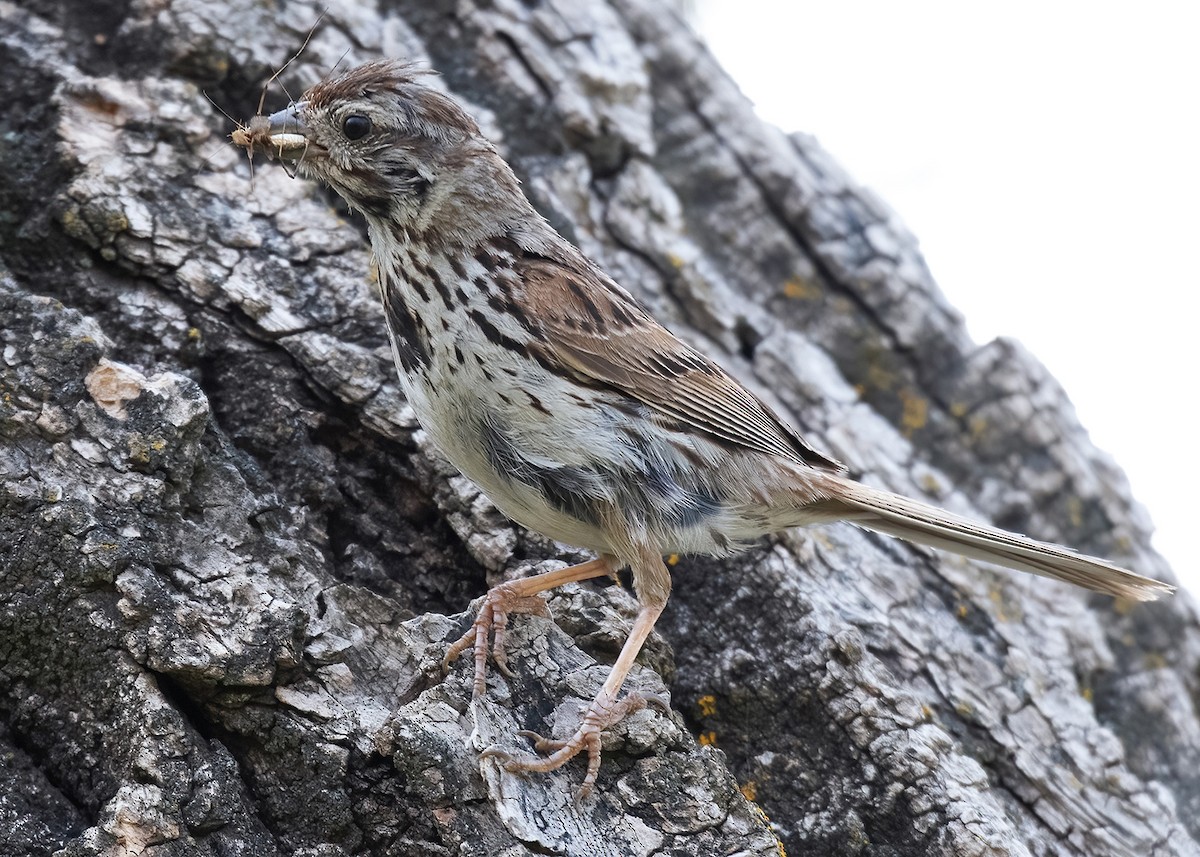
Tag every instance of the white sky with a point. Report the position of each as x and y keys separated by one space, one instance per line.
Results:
x=1047 y=156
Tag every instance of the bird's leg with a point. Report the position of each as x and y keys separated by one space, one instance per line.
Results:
x=653 y=585
x=604 y=711
x=515 y=596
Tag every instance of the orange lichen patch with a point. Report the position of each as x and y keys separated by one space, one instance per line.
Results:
x=915 y=412
x=880 y=376
x=1006 y=611
x=142 y=449
x=1122 y=606
x=800 y=289
x=978 y=428
x=766 y=820
x=749 y=790
x=708 y=739
x=708 y=705
x=1075 y=511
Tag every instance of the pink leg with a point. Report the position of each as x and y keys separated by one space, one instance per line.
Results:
x=604 y=711
x=515 y=596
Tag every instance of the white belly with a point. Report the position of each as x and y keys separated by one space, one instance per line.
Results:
x=487 y=427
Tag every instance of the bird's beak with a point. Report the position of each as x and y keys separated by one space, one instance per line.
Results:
x=287 y=120
x=287 y=134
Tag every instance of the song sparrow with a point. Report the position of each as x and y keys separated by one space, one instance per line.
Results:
x=547 y=384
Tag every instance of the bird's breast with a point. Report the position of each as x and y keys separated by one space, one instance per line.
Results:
x=572 y=461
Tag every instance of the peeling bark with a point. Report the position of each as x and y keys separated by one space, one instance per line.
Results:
x=231 y=562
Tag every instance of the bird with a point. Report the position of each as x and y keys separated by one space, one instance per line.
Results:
x=552 y=388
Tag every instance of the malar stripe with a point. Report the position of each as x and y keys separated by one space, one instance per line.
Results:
x=376 y=205
x=411 y=349
x=413 y=282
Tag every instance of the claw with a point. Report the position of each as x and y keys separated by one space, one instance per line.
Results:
x=654 y=700
x=495 y=752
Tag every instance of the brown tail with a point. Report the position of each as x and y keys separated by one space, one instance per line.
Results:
x=917 y=522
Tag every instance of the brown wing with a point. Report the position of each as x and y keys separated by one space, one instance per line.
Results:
x=596 y=329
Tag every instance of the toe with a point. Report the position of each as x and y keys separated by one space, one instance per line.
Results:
x=541 y=743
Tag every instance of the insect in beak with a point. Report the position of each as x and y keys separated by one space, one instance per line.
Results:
x=281 y=135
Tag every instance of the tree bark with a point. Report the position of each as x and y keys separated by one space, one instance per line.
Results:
x=231 y=562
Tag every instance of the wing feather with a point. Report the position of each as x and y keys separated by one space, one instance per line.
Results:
x=595 y=329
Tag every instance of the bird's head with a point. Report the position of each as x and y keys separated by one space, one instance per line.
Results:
x=394 y=148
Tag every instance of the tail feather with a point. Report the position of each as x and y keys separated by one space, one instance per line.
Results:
x=917 y=522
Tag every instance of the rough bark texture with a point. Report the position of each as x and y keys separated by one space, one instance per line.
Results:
x=229 y=555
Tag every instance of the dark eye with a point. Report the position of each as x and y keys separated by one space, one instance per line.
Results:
x=356 y=126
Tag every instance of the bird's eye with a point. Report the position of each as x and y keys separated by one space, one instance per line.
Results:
x=356 y=126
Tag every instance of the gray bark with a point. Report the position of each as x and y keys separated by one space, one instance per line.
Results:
x=231 y=562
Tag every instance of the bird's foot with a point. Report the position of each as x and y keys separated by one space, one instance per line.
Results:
x=514 y=596
x=604 y=711
x=498 y=604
